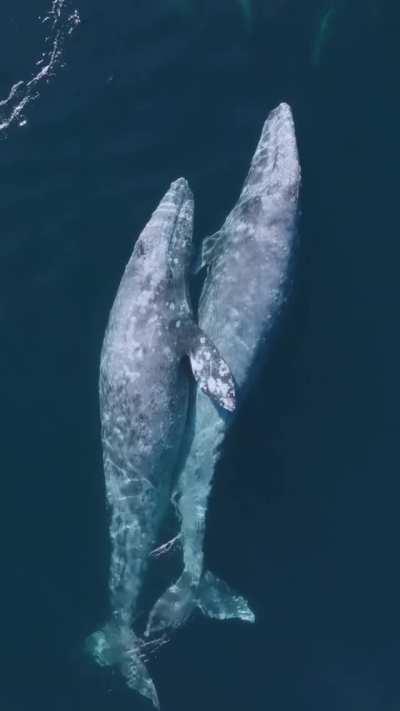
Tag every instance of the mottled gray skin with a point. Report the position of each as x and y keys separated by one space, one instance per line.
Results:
x=244 y=290
x=245 y=287
x=144 y=391
x=143 y=404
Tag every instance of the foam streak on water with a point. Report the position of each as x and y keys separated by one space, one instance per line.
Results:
x=60 y=23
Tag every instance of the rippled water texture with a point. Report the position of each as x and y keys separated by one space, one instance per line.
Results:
x=58 y=23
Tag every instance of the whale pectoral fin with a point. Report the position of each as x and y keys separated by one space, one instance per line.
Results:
x=208 y=251
x=211 y=372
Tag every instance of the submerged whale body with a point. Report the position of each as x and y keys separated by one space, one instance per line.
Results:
x=248 y=264
x=248 y=10
x=144 y=391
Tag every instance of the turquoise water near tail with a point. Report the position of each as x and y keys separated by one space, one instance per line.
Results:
x=303 y=516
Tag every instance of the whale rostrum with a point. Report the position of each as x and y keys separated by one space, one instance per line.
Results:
x=144 y=394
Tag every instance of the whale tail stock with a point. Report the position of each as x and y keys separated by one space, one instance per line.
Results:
x=118 y=646
x=211 y=595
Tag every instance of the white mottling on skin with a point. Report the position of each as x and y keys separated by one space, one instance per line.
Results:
x=212 y=385
x=229 y=404
x=254 y=249
x=223 y=369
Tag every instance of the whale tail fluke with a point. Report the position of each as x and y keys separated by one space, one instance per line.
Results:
x=216 y=599
x=212 y=596
x=118 y=646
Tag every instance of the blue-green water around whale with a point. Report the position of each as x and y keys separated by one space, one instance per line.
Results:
x=303 y=517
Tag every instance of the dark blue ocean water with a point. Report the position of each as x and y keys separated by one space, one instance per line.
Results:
x=304 y=513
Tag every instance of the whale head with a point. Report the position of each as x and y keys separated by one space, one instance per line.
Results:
x=165 y=244
x=275 y=167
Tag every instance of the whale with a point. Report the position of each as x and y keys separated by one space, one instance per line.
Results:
x=248 y=266
x=144 y=393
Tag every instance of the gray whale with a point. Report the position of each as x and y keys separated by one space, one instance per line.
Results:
x=247 y=263
x=144 y=391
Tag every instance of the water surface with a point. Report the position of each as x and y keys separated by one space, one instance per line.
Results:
x=304 y=513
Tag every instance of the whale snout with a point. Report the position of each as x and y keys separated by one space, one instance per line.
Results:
x=275 y=165
x=176 y=196
x=169 y=227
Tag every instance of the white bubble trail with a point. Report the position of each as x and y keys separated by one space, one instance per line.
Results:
x=60 y=22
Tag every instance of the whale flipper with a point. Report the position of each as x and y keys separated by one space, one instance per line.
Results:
x=118 y=646
x=212 y=596
x=211 y=371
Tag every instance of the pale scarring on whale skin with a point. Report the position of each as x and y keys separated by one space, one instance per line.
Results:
x=253 y=247
x=144 y=390
x=212 y=374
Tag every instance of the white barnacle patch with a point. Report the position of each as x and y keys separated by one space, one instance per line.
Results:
x=178 y=324
x=223 y=369
x=229 y=404
x=223 y=391
x=212 y=386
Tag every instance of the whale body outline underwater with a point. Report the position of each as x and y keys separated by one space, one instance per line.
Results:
x=159 y=450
